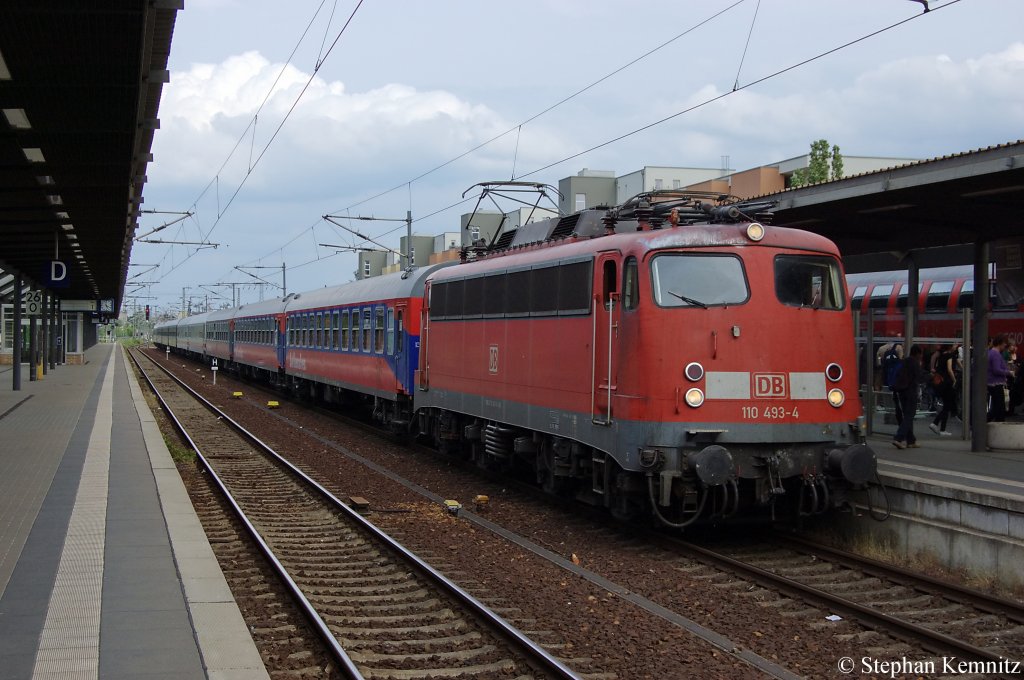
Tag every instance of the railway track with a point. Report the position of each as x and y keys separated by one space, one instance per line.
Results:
x=665 y=565
x=381 y=611
x=943 y=618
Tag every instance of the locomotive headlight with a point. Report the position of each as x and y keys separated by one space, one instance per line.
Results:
x=834 y=372
x=836 y=397
x=694 y=371
x=694 y=397
x=755 y=231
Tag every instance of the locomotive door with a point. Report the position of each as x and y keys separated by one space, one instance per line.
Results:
x=423 y=371
x=605 y=332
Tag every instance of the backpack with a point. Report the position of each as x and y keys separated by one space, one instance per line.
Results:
x=891 y=365
x=901 y=376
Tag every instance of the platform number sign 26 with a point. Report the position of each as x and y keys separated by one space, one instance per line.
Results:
x=492 y=364
x=34 y=302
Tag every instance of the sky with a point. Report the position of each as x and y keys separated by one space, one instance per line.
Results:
x=277 y=114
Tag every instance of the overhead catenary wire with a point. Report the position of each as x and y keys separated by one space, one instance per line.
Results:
x=706 y=102
x=277 y=130
x=746 y=45
x=752 y=83
x=551 y=107
x=710 y=100
x=518 y=127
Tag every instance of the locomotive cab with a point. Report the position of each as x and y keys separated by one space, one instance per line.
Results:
x=737 y=372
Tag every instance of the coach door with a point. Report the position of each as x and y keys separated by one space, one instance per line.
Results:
x=605 y=332
x=396 y=330
x=283 y=322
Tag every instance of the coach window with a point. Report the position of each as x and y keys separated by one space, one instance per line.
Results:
x=367 y=330
x=344 y=329
x=335 y=335
x=857 y=299
x=901 y=297
x=378 y=330
x=630 y=284
x=880 y=297
x=938 y=296
x=400 y=341
x=305 y=330
x=391 y=332
x=291 y=332
x=966 y=298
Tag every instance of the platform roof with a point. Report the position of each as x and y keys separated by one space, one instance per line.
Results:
x=937 y=209
x=80 y=86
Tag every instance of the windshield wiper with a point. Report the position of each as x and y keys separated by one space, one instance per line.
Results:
x=689 y=300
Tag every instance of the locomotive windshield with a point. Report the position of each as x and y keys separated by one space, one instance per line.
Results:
x=688 y=280
x=809 y=281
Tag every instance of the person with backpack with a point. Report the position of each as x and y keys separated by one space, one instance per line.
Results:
x=945 y=385
x=905 y=387
x=892 y=360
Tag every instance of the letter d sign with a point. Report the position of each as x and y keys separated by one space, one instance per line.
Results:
x=58 y=274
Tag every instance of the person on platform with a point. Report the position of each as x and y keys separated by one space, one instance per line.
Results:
x=944 y=383
x=905 y=388
x=998 y=374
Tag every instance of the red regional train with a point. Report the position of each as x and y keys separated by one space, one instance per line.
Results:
x=943 y=294
x=670 y=357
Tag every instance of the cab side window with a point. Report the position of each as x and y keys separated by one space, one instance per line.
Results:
x=630 y=284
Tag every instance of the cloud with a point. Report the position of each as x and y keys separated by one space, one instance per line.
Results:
x=916 y=107
x=385 y=135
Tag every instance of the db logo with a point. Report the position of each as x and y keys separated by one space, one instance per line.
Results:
x=770 y=385
x=493 y=362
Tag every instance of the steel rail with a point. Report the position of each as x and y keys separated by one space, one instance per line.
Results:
x=873 y=618
x=341 y=657
x=922 y=582
x=534 y=654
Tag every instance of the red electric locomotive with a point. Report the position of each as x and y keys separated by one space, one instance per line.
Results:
x=650 y=364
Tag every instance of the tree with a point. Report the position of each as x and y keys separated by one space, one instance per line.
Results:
x=825 y=164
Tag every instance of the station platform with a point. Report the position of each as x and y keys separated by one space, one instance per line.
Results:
x=944 y=503
x=948 y=461
x=105 y=571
